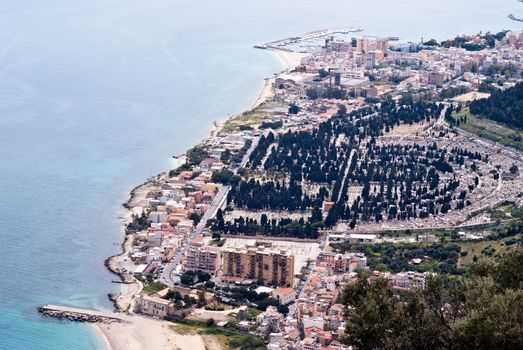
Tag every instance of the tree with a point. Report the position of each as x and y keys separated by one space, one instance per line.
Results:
x=323 y=73
x=195 y=217
x=293 y=109
x=371 y=311
x=483 y=310
x=283 y=309
x=216 y=235
x=219 y=219
x=342 y=110
x=187 y=278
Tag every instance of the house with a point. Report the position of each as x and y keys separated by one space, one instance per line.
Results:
x=284 y=295
x=154 y=306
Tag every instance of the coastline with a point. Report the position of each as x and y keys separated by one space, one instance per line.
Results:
x=290 y=61
x=141 y=332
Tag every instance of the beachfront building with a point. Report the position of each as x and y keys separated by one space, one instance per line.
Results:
x=258 y=264
x=153 y=306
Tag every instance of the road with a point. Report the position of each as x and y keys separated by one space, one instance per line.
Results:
x=347 y=168
x=245 y=158
x=299 y=290
x=168 y=275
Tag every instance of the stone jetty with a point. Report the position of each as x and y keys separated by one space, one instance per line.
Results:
x=78 y=315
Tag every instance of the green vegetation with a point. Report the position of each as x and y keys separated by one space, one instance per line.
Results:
x=503 y=106
x=186 y=301
x=246 y=342
x=453 y=92
x=271 y=125
x=442 y=257
x=227 y=156
x=177 y=171
x=190 y=277
x=293 y=109
x=225 y=177
x=196 y=154
x=471 y=251
x=506 y=212
x=497 y=118
x=490 y=130
x=138 y=223
x=149 y=286
x=241 y=295
x=466 y=42
x=483 y=310
x=228 y=337
x=252 y=118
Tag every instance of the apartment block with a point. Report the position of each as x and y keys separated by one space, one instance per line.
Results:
x=269 y=266
x=200 y=257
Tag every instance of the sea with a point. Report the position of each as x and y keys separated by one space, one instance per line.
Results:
x=96 y=96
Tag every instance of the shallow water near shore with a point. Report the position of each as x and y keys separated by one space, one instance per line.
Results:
x=96 y=96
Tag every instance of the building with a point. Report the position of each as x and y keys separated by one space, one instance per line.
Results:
x=370 y=61
x=154 y=306
x=284 y=295
x=200 y=257
x=341 y=263
x=268 y=266
x=409 y=280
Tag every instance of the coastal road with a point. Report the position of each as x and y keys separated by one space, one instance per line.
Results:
x=168 y=276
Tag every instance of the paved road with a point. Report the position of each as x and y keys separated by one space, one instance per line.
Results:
x=245 y=158
x=299 y=290
x=168 y=275
x=349 y=161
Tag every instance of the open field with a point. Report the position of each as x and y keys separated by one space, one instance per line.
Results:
x=483 y=248
x=216 y=338
x=491 y=130
x=253 y=117
x=505 y=212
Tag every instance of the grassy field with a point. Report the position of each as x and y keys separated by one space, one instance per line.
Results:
x=253 y=117
x=152 y=286
x=505 y=212
x=483 y=249
x=227 y=338
x=491 y=130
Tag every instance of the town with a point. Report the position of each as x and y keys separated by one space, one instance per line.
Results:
x=361 y=161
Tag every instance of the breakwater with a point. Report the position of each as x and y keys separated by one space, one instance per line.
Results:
x=77 y=314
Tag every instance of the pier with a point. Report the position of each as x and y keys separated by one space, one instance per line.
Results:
x=78 y=315
x=280 y=44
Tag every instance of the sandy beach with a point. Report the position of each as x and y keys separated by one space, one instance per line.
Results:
x=290 y=59
x=140 y=332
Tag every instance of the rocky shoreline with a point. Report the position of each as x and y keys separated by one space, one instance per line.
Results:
x=122 y=301
x=135 y=205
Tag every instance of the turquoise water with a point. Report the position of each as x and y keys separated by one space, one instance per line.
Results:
x=96 y=96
